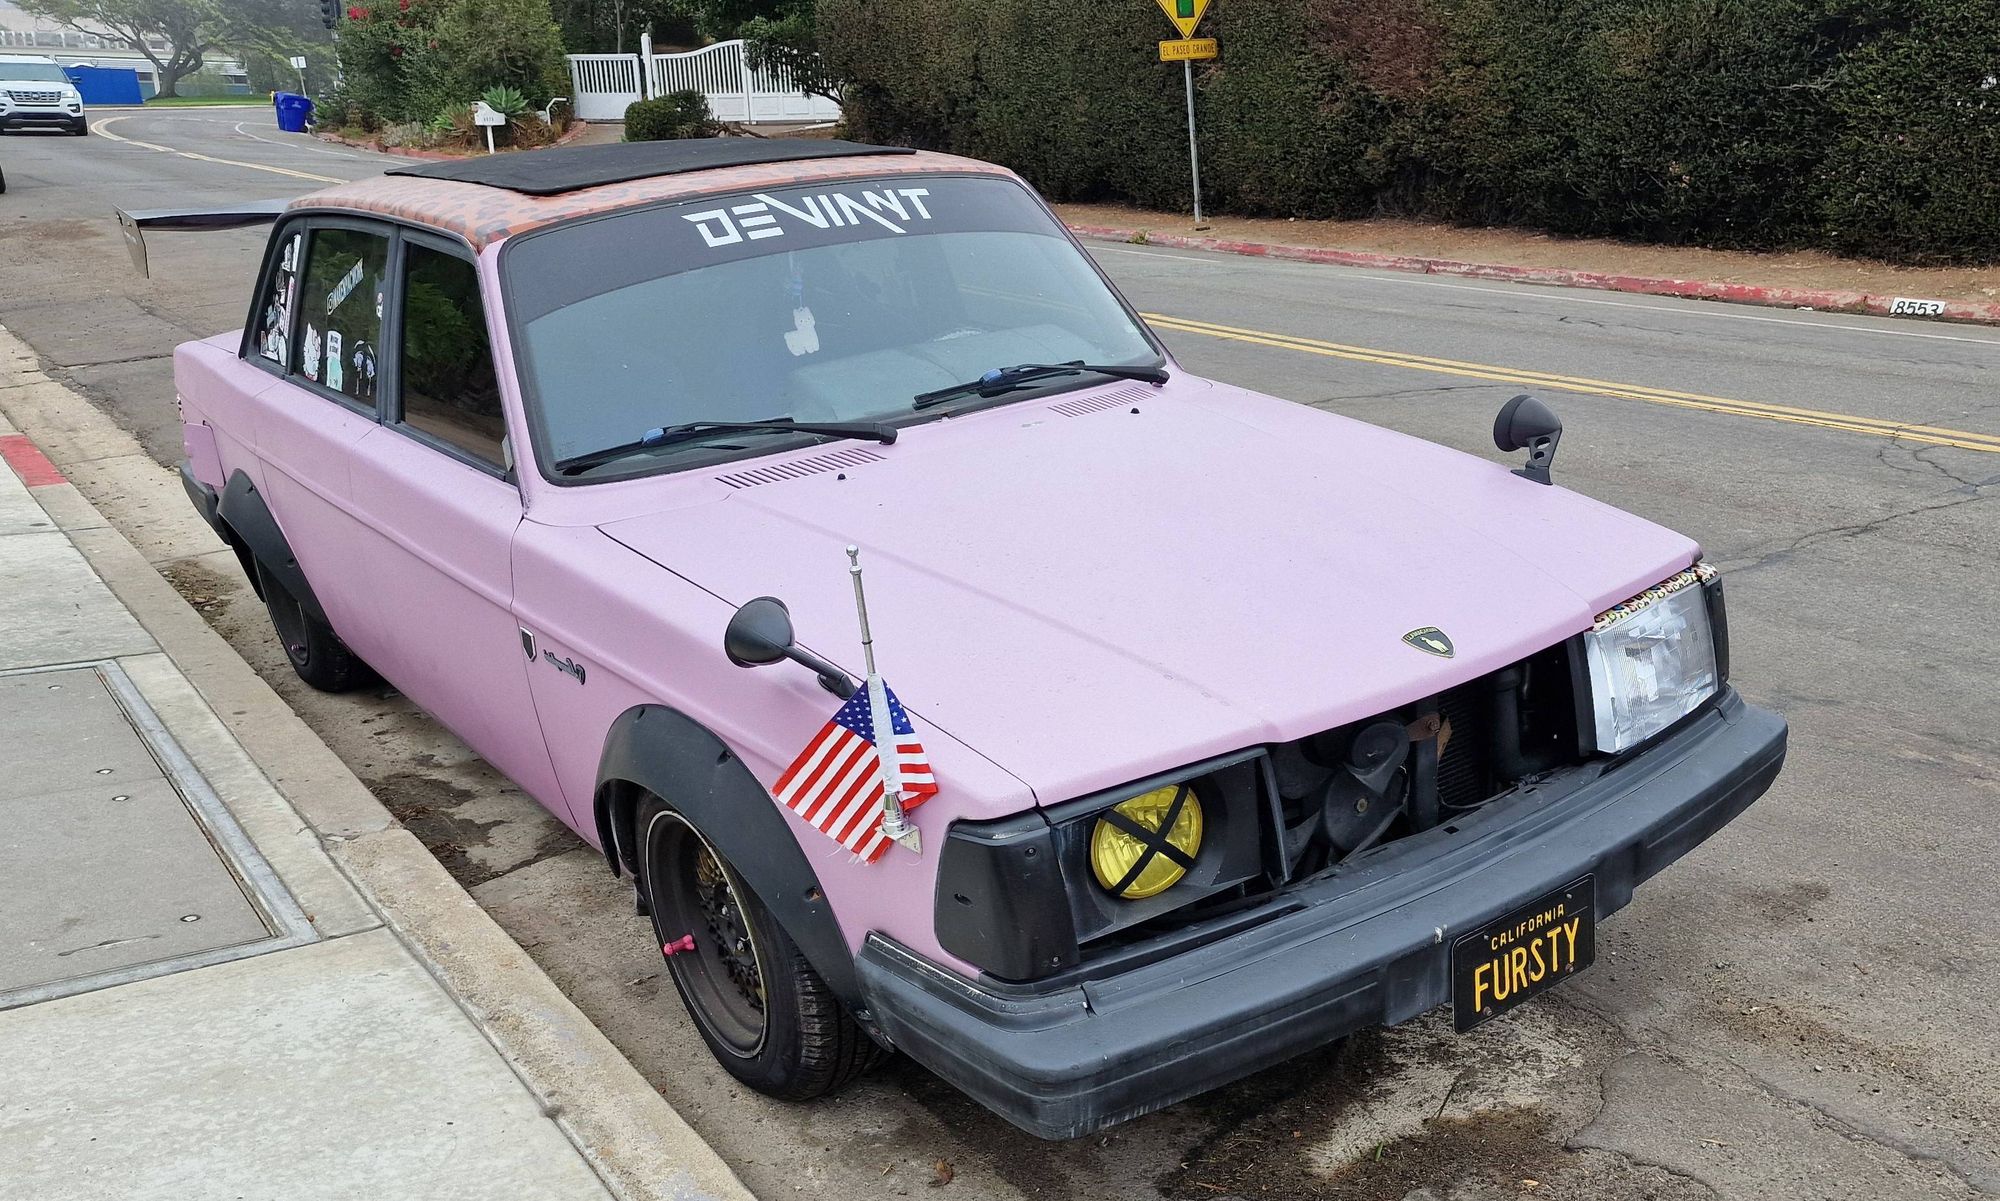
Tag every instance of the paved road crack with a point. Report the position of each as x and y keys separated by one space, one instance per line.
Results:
x=1966 y=495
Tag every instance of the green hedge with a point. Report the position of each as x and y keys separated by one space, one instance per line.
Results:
x=1864 y=126
x=674 y=115
x=416 y=60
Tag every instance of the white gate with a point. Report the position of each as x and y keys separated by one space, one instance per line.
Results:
x=735 y=92
x=603 y=84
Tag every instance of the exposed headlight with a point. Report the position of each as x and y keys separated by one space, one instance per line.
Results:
x=1652 y=660
x=1143 y=847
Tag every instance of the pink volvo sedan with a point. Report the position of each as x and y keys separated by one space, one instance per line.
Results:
x=1223 y=726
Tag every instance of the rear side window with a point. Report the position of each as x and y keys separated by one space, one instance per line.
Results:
x=274 y=320
x=340 y=312
x=448 y=383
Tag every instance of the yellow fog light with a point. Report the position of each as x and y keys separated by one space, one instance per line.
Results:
x=1144 y=846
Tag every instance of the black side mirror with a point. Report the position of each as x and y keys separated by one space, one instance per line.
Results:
x=1525 y=422
x=760 y=633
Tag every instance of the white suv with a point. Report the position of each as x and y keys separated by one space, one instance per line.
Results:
x=34 y=93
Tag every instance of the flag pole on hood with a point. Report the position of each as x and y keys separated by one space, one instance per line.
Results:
x=895 y=824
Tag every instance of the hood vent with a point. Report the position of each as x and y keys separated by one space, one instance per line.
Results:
x=1130 y=394
x=800 y=468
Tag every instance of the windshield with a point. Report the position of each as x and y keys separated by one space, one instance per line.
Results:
x=17 y=72
x=838 y=303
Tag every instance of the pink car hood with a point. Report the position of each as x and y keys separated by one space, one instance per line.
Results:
x=1087 y=595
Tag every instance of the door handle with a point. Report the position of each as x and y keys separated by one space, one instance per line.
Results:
x=528 y=643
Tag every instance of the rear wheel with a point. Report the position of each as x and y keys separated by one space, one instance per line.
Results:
x=765 y=1014
x=318 y=655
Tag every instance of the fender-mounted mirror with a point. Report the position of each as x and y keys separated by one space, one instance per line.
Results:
x=760 y=633
x=1526 y=423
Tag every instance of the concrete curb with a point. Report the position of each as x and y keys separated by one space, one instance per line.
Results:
x=639 y=1146
x=1688 y=289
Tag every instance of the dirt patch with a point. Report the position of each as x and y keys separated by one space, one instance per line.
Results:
x=204 y=591
x=62 y=230
x=1785 y=903
x=1520 y=248
x=435 y=811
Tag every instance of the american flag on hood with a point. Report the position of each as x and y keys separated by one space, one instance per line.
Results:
x=836 y=782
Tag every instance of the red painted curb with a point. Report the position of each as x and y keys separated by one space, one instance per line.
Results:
x=1689 y=289
x=28 y=461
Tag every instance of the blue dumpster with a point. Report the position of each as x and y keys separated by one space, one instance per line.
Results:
x=293 y=111
x=106 y=85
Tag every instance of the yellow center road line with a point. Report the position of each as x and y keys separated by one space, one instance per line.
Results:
x=98 y=127
x=1851 y=423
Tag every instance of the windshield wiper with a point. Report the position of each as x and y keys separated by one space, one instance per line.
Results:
x=689 y=431
x=1001 y=379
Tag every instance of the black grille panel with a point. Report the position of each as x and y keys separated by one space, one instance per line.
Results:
x=1465 y=769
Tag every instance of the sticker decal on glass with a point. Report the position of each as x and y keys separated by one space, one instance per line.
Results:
x=364 y=371
x=344 y=289
x=334 y=372
x=311 y=354
x=277 y=318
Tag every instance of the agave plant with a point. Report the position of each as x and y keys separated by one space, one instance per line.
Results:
x=506 y=100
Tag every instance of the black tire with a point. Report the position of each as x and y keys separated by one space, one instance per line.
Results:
x=82 y=129
x=318 y=655
x=766 y=1015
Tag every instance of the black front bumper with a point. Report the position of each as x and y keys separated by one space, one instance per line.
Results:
x=39 y=119
x=1367 y=944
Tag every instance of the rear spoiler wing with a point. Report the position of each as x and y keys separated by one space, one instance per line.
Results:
x=235 y=216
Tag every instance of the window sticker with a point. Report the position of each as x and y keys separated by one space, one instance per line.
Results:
x=364 y=371
x=334 y=372
x=311 y=354
x=894 y=209
x=344 y=289
x=277 y=317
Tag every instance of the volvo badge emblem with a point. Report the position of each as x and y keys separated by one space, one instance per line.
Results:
x=1431 y=641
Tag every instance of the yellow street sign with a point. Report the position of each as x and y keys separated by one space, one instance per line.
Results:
x=1185 y=14
x=1188 y=50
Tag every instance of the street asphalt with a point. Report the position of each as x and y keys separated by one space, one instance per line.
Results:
x=1797 y=1010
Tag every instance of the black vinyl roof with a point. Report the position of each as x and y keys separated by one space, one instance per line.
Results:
x=562 y=169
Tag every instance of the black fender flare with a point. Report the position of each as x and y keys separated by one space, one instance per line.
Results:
x=657 y=749
x=243 y=510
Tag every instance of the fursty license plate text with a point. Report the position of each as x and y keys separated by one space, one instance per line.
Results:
x=1522 y=953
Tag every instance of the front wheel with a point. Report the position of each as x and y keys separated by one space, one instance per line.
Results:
x=766 y=1015
x=317 y=654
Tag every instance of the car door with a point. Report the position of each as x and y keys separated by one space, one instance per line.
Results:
x=306 y=426
x=437 y=508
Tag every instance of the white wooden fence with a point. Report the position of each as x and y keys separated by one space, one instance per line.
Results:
x=606 y=83
x=603 y=84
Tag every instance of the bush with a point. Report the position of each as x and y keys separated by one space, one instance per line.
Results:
x=675 y=115
x=1867 y=126
x=407 y=60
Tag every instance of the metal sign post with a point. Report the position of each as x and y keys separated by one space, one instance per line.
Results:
x=1194 y=149
x=1188 y=50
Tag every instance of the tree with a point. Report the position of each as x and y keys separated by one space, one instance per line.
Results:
x=191 y=29
x=789 y=45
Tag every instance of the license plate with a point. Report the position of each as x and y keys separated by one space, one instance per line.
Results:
x=1523 y=953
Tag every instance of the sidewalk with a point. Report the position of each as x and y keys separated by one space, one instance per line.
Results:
x=225 y=971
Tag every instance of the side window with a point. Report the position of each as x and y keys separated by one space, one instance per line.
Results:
x=274 y=320
x=340 y=311
x=449 y=389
